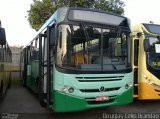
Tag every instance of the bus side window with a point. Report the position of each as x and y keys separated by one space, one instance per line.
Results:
x=35 y=55
x=31 y=52
x=28 y=54
x=136 y=49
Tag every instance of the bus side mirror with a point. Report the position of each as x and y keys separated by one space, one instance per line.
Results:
x=2 y=36
x=146 y=44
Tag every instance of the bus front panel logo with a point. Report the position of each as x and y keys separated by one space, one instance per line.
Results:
x=102 y=89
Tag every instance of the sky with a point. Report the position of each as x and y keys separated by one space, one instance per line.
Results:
x=13 y=18
x=142 y=11
x=19 y=33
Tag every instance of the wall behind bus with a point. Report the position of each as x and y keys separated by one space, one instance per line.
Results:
x=15 y=66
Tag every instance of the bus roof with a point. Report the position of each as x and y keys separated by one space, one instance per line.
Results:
x=88 y=15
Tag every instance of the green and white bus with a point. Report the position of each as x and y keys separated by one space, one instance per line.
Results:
x=80 y=59
x=5 y=62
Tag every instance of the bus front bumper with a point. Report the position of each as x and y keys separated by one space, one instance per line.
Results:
x=68 y=103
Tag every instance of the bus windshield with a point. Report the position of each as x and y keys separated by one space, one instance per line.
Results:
x=153 y=28
x=91 y=48
x=153 y=53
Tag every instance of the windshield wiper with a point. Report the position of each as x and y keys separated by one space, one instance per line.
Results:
x=86 y=34
x=114 y=67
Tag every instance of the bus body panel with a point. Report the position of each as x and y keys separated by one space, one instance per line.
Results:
x=148 y=84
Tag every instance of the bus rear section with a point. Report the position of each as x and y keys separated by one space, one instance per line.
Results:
x=83 y=62
x=146 y=60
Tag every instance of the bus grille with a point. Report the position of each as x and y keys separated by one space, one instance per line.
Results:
x=99 y=79
x=98 y=90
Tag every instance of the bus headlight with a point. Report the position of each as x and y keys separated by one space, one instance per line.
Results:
x=64 y=89
x=71 y=90
x=126 y=86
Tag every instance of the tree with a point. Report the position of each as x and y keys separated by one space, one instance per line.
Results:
x=116 y=6
x=113 y=6
x=41 y=10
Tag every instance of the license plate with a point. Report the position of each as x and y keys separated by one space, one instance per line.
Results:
x=102 y=98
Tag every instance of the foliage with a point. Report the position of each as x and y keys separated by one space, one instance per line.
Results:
x=114 y=6
x=41 y=10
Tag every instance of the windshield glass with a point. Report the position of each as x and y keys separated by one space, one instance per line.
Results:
x=93 y=48
x=153 y=52
x=153 y=28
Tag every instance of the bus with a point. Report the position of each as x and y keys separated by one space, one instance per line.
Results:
x=80 y=59
x=146 y=60
x=5 y=62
